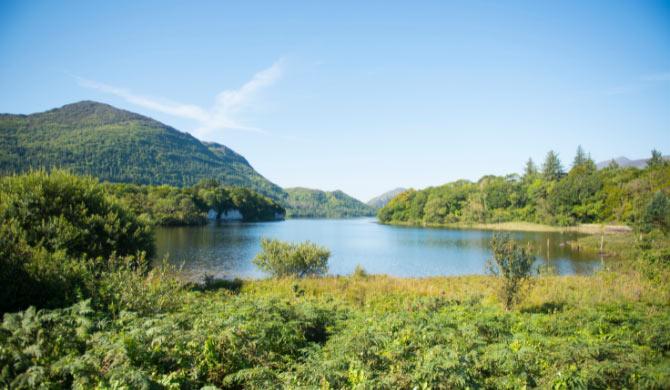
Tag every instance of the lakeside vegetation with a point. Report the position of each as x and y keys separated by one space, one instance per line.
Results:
x=309 y=203
x=117 y=323
x=550 y=196
x=171 y=206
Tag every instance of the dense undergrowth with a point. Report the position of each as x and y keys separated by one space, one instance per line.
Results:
x=360 y=332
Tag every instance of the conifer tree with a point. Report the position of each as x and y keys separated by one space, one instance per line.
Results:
x=580 y=157
x=552 y=169
x=656 y=159
x=531 y=169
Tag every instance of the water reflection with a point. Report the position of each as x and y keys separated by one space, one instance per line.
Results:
x=226 y=250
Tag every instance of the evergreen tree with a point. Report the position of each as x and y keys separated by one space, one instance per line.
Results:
x=580 y=157
x=552 y=169
x=656 y=159
x=583 y=160
x=531 y=169
x=657 y=213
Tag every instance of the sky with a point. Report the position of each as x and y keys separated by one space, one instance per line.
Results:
x=359 y=96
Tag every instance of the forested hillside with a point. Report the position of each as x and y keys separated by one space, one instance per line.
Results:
x=308 y=203
x=120 y=146
x=548 y=195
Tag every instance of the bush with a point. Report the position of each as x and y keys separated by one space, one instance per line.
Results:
x=513 y=265
x=288 y=259
x=359 y=272
x=657 y=213
x=127 y=288
x=57 y=232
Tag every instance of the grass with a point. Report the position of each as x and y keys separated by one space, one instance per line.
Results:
x=617 y=245
x=606 y=287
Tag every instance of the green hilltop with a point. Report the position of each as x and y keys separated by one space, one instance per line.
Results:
x=120 y=146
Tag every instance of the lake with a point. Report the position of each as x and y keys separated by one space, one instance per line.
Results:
x=226 y=249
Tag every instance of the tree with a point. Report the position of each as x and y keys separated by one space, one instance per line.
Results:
x=657 y=213
x=552 y=169
x=580 y=157
x=574 y=198
x=512 y=264
x=656 y=159
x=530 y=169
x=282 y=259
x=583 y=161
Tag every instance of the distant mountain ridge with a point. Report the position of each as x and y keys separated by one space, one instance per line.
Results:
x=310 y=203
x=625 y=162
x=380 y=201
x=120 y=146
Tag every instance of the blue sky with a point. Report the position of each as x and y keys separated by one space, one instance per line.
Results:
x=359 y=96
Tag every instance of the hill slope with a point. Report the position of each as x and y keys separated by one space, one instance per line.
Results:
x=305 y=203
x=380 y=201
x=120 y=146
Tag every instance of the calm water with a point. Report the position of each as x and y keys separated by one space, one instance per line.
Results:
x=226 y=249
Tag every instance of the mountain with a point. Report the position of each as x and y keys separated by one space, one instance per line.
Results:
x=625 y=162
x=120 y=146
x=308 y=203
x=380 y=201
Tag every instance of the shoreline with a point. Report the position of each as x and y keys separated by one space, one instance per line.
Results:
x=590 y=229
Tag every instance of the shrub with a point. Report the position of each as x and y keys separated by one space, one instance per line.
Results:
x=359 y=272
x=657 y=213
x=292 y=259
x=513 y=264
x=128 y=288
x=57 y=232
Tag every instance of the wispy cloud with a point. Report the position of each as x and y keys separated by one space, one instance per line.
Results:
x=222 y=115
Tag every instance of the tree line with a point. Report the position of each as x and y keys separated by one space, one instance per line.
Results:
x=172 y=206
x=548 y=195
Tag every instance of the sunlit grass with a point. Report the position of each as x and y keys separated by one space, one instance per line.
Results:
x=618 y=286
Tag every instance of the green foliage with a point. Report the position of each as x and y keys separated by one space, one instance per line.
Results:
x=114 y=145
x=656 y=160
x=530 y=170
x=282 y=259
x=307 y=203
x=57 y=233
x=126 y=288
x=576 y=196
x=60 y=211
x=171 y=206
x=584 y=195
x=657 y=213
x=513 y=265
x=264 y=340
x=552 y=169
